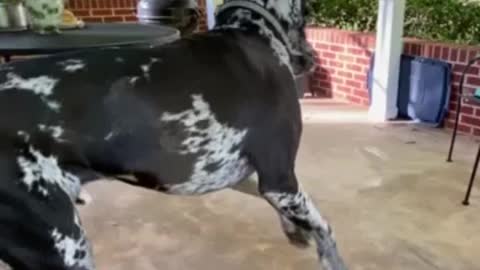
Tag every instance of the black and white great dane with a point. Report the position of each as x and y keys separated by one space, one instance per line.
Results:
x=189 y=117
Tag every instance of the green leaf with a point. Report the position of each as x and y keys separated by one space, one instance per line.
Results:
x=447 y=20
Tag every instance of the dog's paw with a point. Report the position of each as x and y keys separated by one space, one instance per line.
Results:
x=299 y=238
x=296 y=235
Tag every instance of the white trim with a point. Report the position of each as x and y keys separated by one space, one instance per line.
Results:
x=210 y=10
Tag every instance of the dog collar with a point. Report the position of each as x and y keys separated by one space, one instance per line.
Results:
x=265 y=14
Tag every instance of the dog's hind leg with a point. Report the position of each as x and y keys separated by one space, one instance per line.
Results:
x=295 y=234
x=274 y=161
x=40 y=228
x=301 y=220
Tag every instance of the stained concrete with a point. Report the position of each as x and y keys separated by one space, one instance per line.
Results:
x=393 y=201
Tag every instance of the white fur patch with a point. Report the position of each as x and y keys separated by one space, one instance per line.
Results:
x=259 y=2
x=72 y=65
x=276 y=45
x=41 y=171
x=283 y=9
x=213 y=143
x=298 y=205
x=109 y=136
x=146 y=67
x=42 y=86
x=55 y=131
x=67 y=247
x=133 y=79
x=24 y=135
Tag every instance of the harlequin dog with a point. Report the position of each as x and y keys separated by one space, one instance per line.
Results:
x=189 y=117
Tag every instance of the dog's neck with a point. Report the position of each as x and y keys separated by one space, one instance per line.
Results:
x=246 y=19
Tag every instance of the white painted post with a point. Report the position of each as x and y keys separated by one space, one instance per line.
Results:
x=210 y=10
x=388 y=50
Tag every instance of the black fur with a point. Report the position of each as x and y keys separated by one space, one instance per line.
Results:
x=109 y=112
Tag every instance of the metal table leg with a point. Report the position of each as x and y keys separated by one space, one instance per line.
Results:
x=466 y=201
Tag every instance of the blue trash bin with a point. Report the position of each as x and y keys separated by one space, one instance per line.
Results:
x=423 y=88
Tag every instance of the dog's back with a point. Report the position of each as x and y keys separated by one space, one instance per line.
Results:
x=96 y=95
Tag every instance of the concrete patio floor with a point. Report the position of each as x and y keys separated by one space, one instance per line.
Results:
x=393 y=201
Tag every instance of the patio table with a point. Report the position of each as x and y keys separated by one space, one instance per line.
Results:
x=93 y=35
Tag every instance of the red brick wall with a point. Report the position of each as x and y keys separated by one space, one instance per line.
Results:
x=342 y=63
x=202 y=24
x=115 y=11
x=104 y=10
x=343 y=59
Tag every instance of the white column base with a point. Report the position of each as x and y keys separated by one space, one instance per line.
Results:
x=381 y=113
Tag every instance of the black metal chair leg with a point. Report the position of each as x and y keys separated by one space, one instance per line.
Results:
x=466 y=201
x=459 y=107
x=457 y=118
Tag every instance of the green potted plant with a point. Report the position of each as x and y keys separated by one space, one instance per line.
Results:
x=45 y=16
